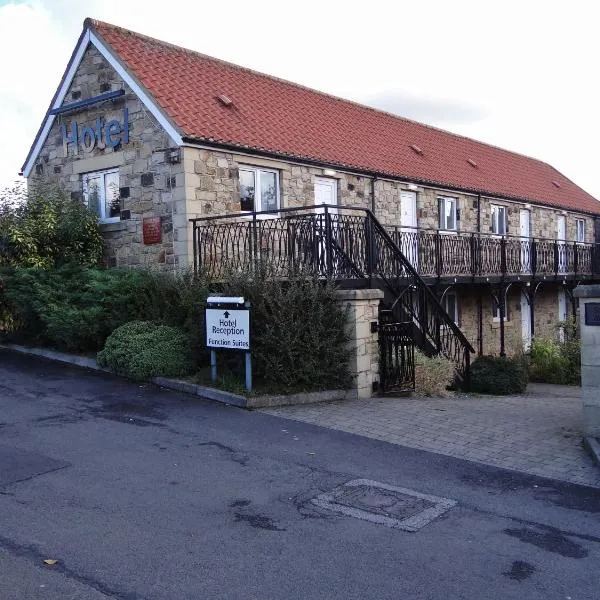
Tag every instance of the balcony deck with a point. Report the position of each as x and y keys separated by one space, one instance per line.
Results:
x=338 y=242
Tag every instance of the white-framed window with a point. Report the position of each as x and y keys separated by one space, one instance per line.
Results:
x=496 y=310
x=450 y=304
x=498 y=224
x=259 y=189
x=447 y=207
x=580 y=230
x=101 y=194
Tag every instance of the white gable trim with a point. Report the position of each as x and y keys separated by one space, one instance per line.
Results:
x=90 y=38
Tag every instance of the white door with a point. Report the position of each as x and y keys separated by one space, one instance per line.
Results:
x=525 y=322
x=326 y=193
x=408 y=227
x=562 y=312
x=561 y=236
x=525 y=232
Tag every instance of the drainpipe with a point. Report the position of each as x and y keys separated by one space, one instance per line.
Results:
x=373 y=194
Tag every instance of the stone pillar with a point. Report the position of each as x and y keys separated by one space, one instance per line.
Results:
x=589 y=323
x=363 y=309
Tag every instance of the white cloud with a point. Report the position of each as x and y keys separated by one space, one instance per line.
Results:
x=516 y=74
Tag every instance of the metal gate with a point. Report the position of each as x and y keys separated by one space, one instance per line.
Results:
x=396 y=358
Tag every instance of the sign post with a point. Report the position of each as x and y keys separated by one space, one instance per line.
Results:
x=228 y=328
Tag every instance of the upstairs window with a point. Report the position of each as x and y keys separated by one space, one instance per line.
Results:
x=259 y=189
x=498 y=225
x=579 y=230
x=447 y=207
x=101 y=193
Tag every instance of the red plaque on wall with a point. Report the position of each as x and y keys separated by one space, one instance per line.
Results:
x=152 y=230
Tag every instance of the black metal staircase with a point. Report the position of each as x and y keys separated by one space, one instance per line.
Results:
x=346 y=244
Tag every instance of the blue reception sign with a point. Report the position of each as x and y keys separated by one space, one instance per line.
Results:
x=100 y=135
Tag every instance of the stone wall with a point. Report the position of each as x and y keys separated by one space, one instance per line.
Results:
x=148 y=182
x=363 y=309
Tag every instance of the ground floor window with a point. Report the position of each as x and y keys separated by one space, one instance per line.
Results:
x=496 y=310
x=450 y=304
x=259 y=189
x=101 y=193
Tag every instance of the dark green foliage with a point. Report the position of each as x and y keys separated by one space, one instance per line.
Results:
x=45 y=228
x=142 y=349
x=498 y=375
x=299 y=340
x=75 y=308
x=552 y=361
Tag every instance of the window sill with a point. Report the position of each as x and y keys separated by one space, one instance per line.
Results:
x=108 y=226
x=448 y=231
x=496 y=324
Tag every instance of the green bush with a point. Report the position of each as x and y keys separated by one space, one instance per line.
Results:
x=552 y=361
x=498 y=375
x=76 y=308
x=142 y=349
x=45 y=228
x=299 y=340
x=433 y=375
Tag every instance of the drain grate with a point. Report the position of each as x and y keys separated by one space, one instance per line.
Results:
x=376 y=502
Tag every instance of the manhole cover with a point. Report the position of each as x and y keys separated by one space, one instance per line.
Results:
x=384 y=504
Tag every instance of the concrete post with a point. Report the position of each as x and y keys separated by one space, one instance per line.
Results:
x=363 y=309
x=589 y=320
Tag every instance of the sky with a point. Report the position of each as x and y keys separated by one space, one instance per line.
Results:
x=522 y=75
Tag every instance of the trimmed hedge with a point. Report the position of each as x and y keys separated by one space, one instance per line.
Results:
x=142 y=349
x=75 y=308
x=499 y=375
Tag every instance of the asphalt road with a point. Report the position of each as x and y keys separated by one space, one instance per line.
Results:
x=143 y=493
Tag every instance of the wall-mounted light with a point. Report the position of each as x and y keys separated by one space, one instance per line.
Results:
x=329 y=172
x=412 y=187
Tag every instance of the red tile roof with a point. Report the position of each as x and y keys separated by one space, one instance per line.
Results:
x=276 y=116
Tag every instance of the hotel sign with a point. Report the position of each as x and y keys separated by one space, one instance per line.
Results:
x=100 y=135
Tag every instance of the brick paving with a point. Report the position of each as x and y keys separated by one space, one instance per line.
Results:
x=538 y=433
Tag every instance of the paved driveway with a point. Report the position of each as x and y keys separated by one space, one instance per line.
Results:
x=538 y=433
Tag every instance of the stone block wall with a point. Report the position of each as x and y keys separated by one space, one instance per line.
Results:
x=149 y=183
x=363 y=309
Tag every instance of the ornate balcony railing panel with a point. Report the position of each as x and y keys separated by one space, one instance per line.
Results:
x=436 y=253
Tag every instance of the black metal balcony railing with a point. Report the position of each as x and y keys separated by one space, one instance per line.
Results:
x=335 y=242
x=436 y=253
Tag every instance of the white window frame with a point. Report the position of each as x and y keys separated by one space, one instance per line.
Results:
x=102 y=207
x=443 y=201
x=580 y=238
x=455 y=316
x=257 y=189
x=496 y=314
x=495 y=211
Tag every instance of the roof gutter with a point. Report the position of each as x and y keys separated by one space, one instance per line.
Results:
x=369 y=173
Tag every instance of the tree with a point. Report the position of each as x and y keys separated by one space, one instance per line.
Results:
x=45 y=228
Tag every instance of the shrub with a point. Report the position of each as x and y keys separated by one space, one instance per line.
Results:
x=45 y=228
x=75 y=308
x=433 y=375
x=498 y=375
x=299 y=339
x=552 y=361
x=142 y=349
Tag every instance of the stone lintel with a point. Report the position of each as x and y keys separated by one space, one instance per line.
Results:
x=587 y=291
x=369 y=294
